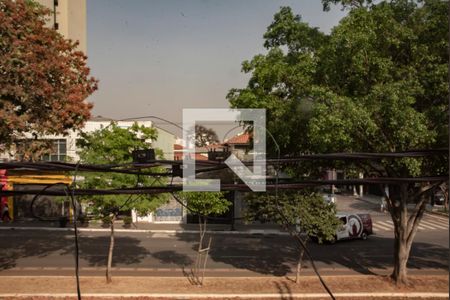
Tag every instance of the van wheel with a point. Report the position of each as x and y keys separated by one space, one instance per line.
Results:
x=364 y=236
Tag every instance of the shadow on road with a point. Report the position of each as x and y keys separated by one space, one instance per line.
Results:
x=127 y=250
x=361 y=205
x=94 y=250
x=14 y=248
x=284 y=290
x=263 y=254
x=171 y=257
x=277 y=255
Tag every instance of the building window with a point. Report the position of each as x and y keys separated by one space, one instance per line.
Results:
x=59 y=151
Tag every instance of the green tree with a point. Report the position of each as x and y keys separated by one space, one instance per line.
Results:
x=114 y=145
x=314 y=218
x=377 y=83
x=204 y=204
x=345 y=3
x=44 y=79
x=205 y=136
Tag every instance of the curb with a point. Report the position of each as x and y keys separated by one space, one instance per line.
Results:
x=437 y=213
x=367 y=200
x=228 y=296
x=169 y=231
x=210 y=273
x=441 y=214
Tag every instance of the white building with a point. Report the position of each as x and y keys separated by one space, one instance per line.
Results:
x=65 y=149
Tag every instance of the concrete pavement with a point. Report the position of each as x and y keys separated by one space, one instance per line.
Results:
x=345 y=203
x=42 y=252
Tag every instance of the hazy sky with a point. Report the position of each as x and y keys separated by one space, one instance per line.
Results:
x=156 y=57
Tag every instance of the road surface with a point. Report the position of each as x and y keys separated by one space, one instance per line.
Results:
x=38 y=252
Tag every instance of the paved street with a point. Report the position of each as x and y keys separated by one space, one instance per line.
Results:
x=40 y=252
x=428 y=223
x=382 y=222
x=146 y=253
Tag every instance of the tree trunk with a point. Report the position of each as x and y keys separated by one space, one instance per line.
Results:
x=201 y=232
x=405 y=227
x=110 y=252
x=401 y=254
x=444 y=190
x=199 y=251
x=299 y=265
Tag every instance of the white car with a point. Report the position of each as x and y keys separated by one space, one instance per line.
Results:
x=329 y=198
x=354 y=226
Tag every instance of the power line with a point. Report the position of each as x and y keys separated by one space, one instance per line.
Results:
x=230 y=187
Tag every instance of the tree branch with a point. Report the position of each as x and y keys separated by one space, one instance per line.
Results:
x=420 y=205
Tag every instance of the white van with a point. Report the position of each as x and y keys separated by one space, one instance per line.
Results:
x=354 y=226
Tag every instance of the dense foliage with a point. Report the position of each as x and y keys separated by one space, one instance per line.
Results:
x=205 y=203
x=308 y=211
x=377 y=83
x=114 y=145
x=205 y=136
x=44 y=80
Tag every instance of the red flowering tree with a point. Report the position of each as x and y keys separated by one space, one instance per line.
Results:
x=44 y=80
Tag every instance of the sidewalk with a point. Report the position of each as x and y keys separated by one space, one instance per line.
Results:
x=148 y=227
x=269 y=287
x=376 y=200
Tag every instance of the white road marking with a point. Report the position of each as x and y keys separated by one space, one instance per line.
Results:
x=426 y=226
x=442 y=219
x=386 y=224
x=435 y=226
x=419 y=227
x=436 y=223
x=162 y=235
x=379 y=226
x=445 y=222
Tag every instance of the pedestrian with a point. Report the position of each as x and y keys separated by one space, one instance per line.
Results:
x=383 y=204
x=5 y=213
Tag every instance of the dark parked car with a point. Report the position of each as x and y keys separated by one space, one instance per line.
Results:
x=438 y=198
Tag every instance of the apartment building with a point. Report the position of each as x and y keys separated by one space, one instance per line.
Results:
x=69 y=19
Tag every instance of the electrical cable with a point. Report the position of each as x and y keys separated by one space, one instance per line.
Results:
x=232 y=187
x=197 y=212
x=333 y=156
x=296 y=236
x=295 y=186
x=36 y=196
x=70 y=197
x=118 y=168
x=75 y=229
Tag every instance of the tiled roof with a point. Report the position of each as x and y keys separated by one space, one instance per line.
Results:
x=200 y=157
x=240 y=139
x=179 y=153
x=100 y=119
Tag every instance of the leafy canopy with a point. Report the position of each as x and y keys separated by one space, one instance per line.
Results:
x=114 y=145
x=205 y=136
x=307 y=210
x=206 y=203
x=377 y=83
x=44 y=80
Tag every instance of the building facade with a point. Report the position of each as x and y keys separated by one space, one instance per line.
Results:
x=65 y=149
x=69 y=19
